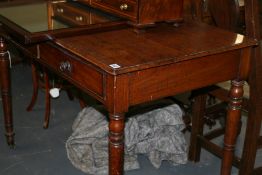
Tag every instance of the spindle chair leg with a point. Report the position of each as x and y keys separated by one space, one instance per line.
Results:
x=251 y=144
x=198 y=112
x=35 y=79
x=47 y=100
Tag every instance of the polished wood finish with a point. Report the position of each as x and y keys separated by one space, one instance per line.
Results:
x=71 y=17
x=226 y=13
x=255 y=99
x=198 y=110
x=23 y=34
x=121 y=68
x=47 y=100
x=35 y=80
x=68 y=66
x=246 y=162
x=41 y=79
x=74 y=14
x=200 y=140
x=6 y=91
x=46 y=86
x=166 y=66
x=142 y=12
x=233 y=117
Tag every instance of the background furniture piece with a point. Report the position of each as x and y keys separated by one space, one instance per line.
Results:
x=36 y=85
x=246 y=162
x=71 y=14
x=41 y=79
x=141 y=12
x=230 y=17
x=74 y=14
x=24 y=37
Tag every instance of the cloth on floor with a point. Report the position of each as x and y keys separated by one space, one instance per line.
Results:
x=156 y=133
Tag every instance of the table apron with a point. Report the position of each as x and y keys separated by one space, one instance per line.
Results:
x=147 y=84
x=154 y=83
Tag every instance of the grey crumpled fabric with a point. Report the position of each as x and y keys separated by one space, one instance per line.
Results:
x=156 y=133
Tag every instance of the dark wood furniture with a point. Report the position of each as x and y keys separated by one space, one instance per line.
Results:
x=128 y=76
x=142 y=12
x=25 y=34
x=72 y=14
x=231 y=13
x=41 y=79
x=121 y=68
x=227 y=17
x=246 y=162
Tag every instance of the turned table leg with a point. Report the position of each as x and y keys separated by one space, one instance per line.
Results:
x=6 y=91
x=116 y=144
x=232 y=125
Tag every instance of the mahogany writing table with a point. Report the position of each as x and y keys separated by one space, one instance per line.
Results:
x=121 y=68
x=24 y=30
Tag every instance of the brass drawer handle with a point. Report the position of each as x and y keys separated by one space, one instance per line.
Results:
x=79 y=18
x=65 y=66
x=123 y=7
x=60 y=10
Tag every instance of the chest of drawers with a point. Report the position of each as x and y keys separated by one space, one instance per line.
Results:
x=142 y=12
x=76 y=14
x=70 y=14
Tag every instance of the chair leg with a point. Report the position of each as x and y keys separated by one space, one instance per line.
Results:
x=81 y=100
x=198 y=112
x=69 y=94
x=252 y=136
x=257 y=171
x=47 y=100
x=35 y=79
x=82 y=104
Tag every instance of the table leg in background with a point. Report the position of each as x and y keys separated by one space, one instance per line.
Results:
x=5 y=82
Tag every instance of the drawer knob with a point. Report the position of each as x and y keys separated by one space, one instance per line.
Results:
x=65 y=66
x=60 y=10
x=79 y=18
x=123 y=7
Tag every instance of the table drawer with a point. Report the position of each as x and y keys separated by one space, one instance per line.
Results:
x=126 y=8
x=73 y=69
x=71 y=14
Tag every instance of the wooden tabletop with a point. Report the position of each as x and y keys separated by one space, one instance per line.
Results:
x=122 y=51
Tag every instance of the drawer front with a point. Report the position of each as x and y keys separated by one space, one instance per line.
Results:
x=95 y=19
x=71 y=14
x=125 y=8
x=82 y=74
